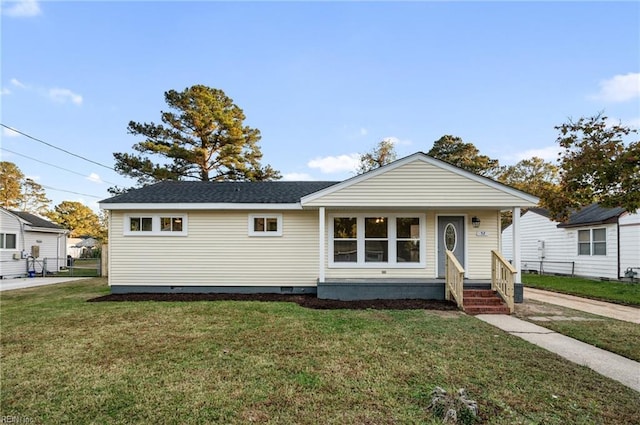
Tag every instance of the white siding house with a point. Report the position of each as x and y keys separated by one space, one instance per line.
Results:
x=28 y=242
x=389 y=226
x=595 y=242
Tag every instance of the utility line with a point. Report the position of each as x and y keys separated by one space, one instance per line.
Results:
x=51 y=165
x=56 y=147
x=69 y=191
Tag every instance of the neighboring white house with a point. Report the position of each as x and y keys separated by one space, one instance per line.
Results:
x=29 y=242
x=382 y=234
x=595 y=242
x=80 y=247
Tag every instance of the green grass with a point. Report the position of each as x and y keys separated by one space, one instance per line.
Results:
x=619 y=337
x=68 y=361
x=617 y=292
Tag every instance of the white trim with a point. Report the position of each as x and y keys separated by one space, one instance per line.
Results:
x=155 y=225
x=391 y=262
x=44 y=229
x=515 y=214
x=197 y=206
x=419 y=156
x=265 y=233
x=592 y=241
x=321 y=231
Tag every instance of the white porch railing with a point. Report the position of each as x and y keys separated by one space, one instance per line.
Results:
x=503 y=278
x=454 y=279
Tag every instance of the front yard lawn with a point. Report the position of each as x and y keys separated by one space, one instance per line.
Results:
x=617 y=292
x=68 y=361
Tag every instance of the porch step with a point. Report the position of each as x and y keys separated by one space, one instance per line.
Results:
x=483 y=301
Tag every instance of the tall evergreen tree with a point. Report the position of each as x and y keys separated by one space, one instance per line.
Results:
x=10 y=185
x=18 y=192
x=34 y=198
x=202 y=137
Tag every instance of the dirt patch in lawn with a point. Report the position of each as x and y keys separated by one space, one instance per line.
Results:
x=542 y=312
x=308 y=301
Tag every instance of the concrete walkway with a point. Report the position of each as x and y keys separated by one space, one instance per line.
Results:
x=30 y=282
x=614 y=311
x=611 y=365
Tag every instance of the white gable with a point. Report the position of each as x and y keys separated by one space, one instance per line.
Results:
x=420 y=181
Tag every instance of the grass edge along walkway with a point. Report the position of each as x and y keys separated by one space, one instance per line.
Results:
x=609 y=291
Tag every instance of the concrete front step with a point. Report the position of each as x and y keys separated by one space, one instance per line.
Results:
x=482 y=301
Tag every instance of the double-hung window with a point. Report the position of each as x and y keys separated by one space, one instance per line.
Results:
x=345 y=239
x=592 y=242
x=8 y=241
x=374 y=240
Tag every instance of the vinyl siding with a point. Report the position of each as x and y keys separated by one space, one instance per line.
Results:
x=52 y=247
x=217 y=251
x=629 y=242
x=561 y=248
x=419 y=184
x=596 y=265
x=8 y=266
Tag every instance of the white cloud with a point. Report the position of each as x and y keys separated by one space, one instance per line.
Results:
x=336 y=164
x=296 y=177
x=17 y=83
x=64 y=95
x=22 y=9
x=363 y=131
x=93 y=177
x=55 y=94
x=5 y=91
x=398 y=142
x=620 y=88
x=7 y=132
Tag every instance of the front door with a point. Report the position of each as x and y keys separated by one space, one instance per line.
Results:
x=450 y=237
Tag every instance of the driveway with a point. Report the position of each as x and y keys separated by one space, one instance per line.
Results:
x=30 y=282
x=601 y=308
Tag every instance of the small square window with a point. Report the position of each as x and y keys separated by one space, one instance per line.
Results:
x=265 y=225
x=140 y=224
x=171 y=224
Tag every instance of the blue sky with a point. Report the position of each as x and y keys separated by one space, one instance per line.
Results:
x=323 y=81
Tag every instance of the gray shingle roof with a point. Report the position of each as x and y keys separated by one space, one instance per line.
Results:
x=36 y=221
x=593 y=214
x=269 y=192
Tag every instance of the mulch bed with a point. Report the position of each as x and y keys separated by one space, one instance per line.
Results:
x=308 y=301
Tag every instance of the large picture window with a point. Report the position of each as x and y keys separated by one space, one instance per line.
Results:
x=373 y=240
x=592 y=242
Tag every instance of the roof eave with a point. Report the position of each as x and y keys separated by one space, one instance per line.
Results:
x=182 y=206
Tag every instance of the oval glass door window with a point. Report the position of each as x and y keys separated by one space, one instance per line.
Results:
x=450 y=237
